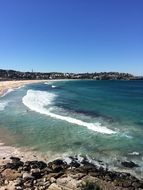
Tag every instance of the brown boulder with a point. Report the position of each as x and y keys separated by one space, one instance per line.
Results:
x=10 y=174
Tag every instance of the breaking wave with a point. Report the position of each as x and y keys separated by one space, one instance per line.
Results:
x=3 y=104
x=46 y=82
x=7 y=92
x=40 y=101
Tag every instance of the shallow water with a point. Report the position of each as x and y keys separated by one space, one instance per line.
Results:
x=103 y=119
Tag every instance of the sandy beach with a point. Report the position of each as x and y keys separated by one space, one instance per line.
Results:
x=6 y=85
x=5 y=151
x=28 y=168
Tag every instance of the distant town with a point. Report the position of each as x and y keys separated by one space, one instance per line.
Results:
x=17 y=75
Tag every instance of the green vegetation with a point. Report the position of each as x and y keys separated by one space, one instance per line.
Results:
x=91 y=186
x=17 y=75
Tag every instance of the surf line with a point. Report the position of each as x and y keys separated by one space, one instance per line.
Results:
x=37 y=100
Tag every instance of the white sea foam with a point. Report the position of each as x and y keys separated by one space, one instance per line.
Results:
x=7 y=92
x=46 y=83
x=126 y=135
x=39 y=101
x=50 y=83
x=134 y=153
x=3 y=104
x=11 y=90
x=20 y=87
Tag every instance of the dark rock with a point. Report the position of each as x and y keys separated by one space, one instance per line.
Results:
x=15 y=159
x=11 y=166
x=127 y=183
x=131 y=188
x=35 y=164
x=129 y=164
x=33 y=175
x=42 y=165
x=57 y=165
x=1 y=180
x=58 y=169
x=85 y=162
x=112 y=175
x=72 y=158
x=18 y=182
x=20 y=169
x=28 y=184
x=137 y=185
x=81 y=169
x=100 y=161
x=75 y=164
x=47 y=170
x=46 y=184
x=36 y=173
x=59 y=175
x=26 y=168
x=55 y=175
x=15 y=165
x=58 y=162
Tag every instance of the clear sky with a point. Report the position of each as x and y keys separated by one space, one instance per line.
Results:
x=72 y=35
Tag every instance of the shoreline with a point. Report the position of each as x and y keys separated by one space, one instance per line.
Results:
x=71 y=173
x=6 y=151
x=25 y=154
x=29 y=154
x=13 y=84
x=7 y=85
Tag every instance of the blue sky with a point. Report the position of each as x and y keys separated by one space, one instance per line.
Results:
x=72 y=35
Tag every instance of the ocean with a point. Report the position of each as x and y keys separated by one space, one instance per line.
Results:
x=100 y=119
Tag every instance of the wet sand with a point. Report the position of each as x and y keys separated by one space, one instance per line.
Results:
x=6 y=85
x=7 y=151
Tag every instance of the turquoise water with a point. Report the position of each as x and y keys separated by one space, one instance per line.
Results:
x=102 y=119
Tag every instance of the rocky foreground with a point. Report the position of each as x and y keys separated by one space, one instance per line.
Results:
x=68 y=174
